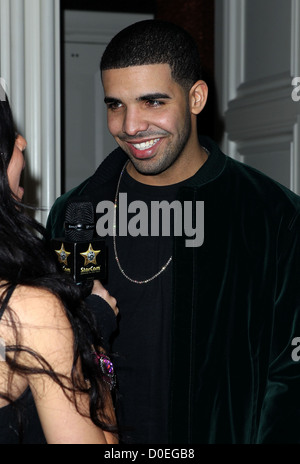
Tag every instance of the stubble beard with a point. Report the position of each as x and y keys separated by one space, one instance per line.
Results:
x=153 y=166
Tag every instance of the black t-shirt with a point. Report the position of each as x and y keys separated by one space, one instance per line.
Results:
x=142 y=343
x=29 y=431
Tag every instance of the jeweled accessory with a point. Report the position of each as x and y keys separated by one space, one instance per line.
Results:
x=107 y=369
x=115 y=244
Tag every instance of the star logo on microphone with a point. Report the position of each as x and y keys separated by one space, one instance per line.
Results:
x=90 y=256
x=62 y=255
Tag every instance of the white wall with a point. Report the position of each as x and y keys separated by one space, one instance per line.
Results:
x=87 y=140
x=30 y=65
x=257 y=56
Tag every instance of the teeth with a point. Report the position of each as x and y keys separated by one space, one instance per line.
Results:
x=145 y=145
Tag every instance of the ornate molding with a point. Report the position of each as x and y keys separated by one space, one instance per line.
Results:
x=262 y=107
x=260 y=115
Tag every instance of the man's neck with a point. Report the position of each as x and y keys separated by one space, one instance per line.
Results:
x=181 y=170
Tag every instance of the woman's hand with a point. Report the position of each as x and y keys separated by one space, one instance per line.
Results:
x=99 y=290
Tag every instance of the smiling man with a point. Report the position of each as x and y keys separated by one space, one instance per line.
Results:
x=203 y=351
x=157 y=130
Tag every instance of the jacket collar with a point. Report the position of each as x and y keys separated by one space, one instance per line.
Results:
x=212 y=168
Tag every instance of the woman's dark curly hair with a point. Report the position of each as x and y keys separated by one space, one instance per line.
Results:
x=26 y=260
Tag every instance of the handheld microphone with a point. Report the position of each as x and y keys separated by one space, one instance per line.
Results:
x=79 y=254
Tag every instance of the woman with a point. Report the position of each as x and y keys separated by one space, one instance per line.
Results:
x=54 y=384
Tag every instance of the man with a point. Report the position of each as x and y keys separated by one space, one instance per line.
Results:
x=206 y=349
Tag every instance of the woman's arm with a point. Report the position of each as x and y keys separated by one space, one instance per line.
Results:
x=47 y=331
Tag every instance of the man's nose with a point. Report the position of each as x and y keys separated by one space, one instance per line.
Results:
x=134 y=121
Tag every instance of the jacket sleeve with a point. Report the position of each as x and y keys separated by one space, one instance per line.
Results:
x=55 y=220
x=104 y=317
x=280 y=418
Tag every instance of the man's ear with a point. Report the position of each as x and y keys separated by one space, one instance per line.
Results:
x=198 y=97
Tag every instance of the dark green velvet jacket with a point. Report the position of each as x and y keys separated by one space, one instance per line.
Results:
x=236 y=314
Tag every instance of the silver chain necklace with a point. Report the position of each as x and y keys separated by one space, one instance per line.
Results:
x=115 y=243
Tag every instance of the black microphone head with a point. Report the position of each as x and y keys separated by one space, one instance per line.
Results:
x=79 y=221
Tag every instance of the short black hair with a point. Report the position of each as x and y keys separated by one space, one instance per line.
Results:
x=155 y=42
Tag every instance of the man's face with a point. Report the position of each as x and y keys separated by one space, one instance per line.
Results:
x=148 y=115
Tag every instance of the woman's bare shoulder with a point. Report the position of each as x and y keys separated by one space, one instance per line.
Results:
x=38 y=315
x=37 y=305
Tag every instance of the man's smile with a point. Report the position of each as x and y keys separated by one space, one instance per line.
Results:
x=145 y=149
x=145 y=145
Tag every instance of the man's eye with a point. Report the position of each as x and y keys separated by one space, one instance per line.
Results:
x=114 y=105
x=154 y=103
